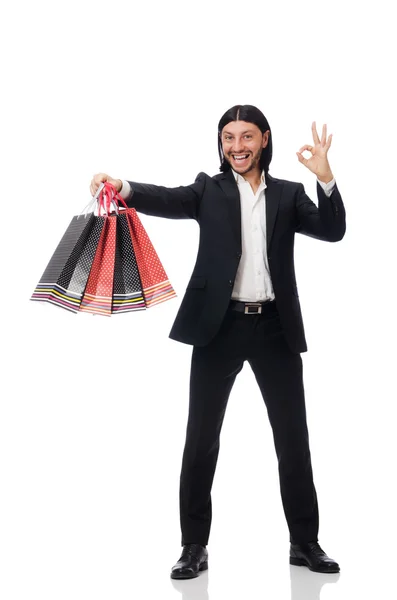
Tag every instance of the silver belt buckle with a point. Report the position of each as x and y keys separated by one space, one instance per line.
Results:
x=249 y=305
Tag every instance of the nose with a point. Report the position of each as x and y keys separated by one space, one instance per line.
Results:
x=237 y=146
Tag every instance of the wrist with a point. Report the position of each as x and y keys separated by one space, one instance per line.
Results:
x=119 y=185
x=326 y=178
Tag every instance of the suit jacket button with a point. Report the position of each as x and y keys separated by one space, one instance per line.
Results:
x=230 y=282
x=238 y=255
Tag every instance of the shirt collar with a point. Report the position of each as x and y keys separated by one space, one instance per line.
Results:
x=240 y=179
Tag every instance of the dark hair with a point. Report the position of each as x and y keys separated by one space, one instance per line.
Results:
x=251 y=114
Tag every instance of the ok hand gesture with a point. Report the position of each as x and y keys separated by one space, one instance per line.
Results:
x=318 y=162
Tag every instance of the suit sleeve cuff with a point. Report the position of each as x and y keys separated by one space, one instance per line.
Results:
x=327 y=187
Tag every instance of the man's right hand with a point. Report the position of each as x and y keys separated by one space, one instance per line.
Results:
x=101 y=178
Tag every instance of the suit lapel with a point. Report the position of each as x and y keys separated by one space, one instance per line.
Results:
x=229 y=186
x=272 y=193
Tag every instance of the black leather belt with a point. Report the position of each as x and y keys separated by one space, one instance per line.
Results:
x=250 y=308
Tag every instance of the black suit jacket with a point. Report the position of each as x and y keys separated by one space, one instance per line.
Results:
x=214 y=202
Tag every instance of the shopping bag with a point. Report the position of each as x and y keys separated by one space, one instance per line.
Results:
x=156 y=286
x=97 y=297
x=65 y=277
x=54 y=283
x=127 y=288
x=84 y=263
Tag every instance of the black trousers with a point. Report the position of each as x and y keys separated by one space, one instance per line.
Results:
x=278 y=371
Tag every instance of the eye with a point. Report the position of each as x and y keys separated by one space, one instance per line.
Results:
x=248 y=136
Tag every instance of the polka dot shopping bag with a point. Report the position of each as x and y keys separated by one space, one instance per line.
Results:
x=155 y=283
x=97 y=298
x=127 y=285
x=65 y=277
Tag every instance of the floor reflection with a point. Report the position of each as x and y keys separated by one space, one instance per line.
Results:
x=193 y=589
x=306 y=585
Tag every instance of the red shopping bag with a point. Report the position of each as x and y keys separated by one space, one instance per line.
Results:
x=156 y=286
x=127 y=285
x=97 y=298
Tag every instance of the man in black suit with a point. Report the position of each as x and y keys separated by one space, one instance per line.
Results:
x=242 y=304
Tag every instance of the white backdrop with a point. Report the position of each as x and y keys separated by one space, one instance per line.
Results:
x=93 y=410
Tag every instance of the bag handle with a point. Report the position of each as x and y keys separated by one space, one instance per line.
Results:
x=91 y=204
x=106 y=198
x=105 y=195
x=113 y=197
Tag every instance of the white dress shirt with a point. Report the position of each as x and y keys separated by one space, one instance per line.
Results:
x=253 y=282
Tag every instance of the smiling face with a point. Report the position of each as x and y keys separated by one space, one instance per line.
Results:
x=242 y=145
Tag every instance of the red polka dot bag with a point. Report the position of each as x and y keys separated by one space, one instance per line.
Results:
x=127 y=285
x=98 y=294
x=156 y=287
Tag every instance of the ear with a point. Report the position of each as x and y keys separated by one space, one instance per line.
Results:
x=265 y=138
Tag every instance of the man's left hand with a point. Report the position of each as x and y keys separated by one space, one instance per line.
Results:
x=318 y=162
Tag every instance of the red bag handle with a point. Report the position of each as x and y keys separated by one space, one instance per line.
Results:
x=107 y=195
x=114 y=195
x=102 y=201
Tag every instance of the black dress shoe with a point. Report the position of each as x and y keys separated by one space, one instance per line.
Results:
x=194 y=558
x=312 y=556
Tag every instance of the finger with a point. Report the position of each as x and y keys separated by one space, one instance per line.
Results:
x=306 y=147
x=99 y=178
x=301 y=158
x=328 y=144
x=324 y=135
x=316 y=139
x=94 y=186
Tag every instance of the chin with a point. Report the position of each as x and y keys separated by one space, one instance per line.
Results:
x=243 y=170
x=240 y=170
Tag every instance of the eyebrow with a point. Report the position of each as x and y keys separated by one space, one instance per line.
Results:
x=230 y=133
